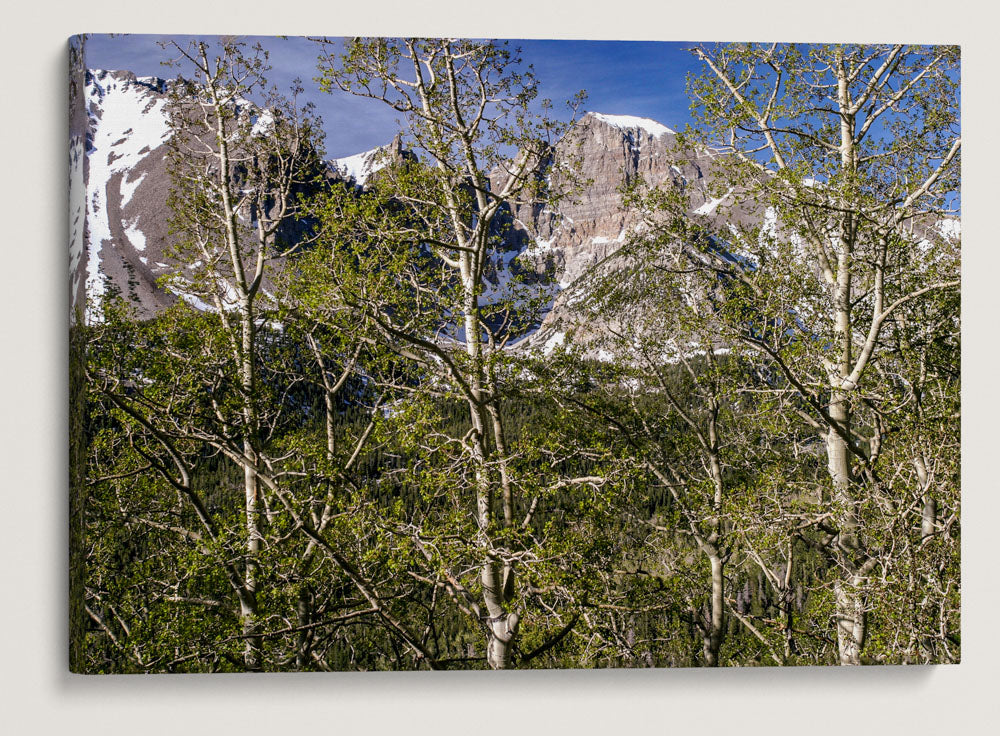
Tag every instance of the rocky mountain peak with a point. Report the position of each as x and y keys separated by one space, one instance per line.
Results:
x=604 y=152
x=361 y=166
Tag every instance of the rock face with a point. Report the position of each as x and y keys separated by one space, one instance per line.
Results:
x=587 y=225
x=606 y=152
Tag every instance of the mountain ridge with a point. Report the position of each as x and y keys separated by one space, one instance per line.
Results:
x=124 y=243
x=121 y=187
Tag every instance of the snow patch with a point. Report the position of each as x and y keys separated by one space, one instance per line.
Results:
x=196 y=302
x=191 y=299
x=136 y=237
x=263 y=124
x=540 y=246
x=950 y=228
x=555 y=340
x=602 y=240
x=770 y=226
x=631 y=122
x=128 y=188
x=360 y=166
x=710 y=206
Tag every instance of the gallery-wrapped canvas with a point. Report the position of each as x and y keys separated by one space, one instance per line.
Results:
x=407 y=354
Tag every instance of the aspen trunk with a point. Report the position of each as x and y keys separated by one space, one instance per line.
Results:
x=250 y=487
x=850 y=616
x=851 y=622
x=245 y=355
x=787 y=601
x=928 y=515
x=501 y=626
x=712 y=639
x=303 y=611
x=850 y=605
x=715 y=631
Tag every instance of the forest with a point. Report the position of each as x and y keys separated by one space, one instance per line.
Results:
x=744 y=449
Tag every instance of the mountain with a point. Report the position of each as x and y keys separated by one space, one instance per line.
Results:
x=362 y=168
x=123 y=187
x=591 y=222
x=120 y=188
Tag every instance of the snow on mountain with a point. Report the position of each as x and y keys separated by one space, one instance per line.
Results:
x=127 y=243
x=631 y=122
x=128 y=187
x=127 y=121
x=119 y=188
x=263 y=123
x=950 y=228
x=360 y=166
x=77 y=216
x=710 y=206
x=556 y=339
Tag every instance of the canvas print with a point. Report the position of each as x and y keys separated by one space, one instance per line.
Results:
x=426 y=354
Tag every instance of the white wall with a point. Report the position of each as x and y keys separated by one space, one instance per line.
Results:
x=38 y=695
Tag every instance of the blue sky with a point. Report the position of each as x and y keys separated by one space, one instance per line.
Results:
x=644 y=78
